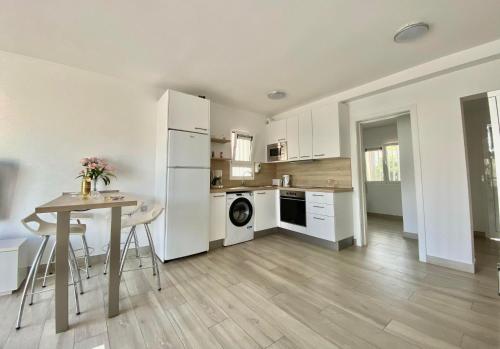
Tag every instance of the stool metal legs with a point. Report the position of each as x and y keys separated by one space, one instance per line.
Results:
x=49 y=262
x=153 y=256
x=72 y=253
x=32 y=276
x=86 y=258
x=136 y=244
x=133 y=235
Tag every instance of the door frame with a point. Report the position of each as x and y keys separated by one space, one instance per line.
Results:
x=360 y=170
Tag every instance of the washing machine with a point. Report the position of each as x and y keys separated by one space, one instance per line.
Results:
x=239 y=218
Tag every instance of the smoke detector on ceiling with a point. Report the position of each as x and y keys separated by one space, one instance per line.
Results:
x=276 y=94
x=411 y=32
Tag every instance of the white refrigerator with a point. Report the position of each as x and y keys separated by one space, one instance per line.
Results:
x=187 y=206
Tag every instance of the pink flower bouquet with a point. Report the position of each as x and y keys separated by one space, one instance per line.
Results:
x=96 y=168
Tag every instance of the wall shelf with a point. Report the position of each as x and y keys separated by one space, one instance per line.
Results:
x=219 y=140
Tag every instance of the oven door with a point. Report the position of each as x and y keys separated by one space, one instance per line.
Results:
x=293 y=211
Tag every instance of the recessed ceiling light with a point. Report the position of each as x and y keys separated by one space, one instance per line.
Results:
x=411 y=32
x=276 y=94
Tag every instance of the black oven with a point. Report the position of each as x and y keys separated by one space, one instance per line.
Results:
x=293 y=207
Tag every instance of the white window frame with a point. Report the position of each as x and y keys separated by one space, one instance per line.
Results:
x=238 y=163
x=386 y=168
x=384 y=164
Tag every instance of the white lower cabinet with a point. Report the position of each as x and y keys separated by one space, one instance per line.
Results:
x=322 y=227
x=217 y=216
x=265 y=209
x=329 y=215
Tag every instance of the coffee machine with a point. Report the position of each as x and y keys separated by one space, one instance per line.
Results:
x=216 y=181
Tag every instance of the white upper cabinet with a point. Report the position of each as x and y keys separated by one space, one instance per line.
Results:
x=305 y=136
x=325 y=121
x=276 y=131
x=188 y=113
x=265 y=209
x=292 y=138
x=316 y=132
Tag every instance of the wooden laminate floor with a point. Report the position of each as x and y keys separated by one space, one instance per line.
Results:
x=278 y=292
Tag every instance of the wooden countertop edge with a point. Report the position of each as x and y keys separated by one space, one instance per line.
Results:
x=316 y=189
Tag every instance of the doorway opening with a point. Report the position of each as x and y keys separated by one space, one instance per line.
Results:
x=482 y=145
x=388 y=175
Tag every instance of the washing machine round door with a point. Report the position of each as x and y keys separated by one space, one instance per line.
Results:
x=240 y=212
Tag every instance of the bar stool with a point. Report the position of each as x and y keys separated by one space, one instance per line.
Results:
x=127 y=212
x=75 y=216
x=132 y=221
x=45 y=230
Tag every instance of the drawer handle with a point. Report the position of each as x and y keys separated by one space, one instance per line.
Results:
x=262 y=193
x=319 y=154
x=218 y=196
x=319 y=219
x=293 y=157
x=305 y=156
x=317 y=194
x=318 y=206
x=281 y=139
x=201 y=128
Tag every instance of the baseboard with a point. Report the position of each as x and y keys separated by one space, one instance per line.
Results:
x=265 y=232
x=337 y=246
x=480 y=234
x=215 y=244
x=413 y=236
x=447 y=263
x=385 y=216
x=258 y=234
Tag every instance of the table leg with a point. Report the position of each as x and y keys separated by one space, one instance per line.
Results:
x=114 y=263
x=61 y=289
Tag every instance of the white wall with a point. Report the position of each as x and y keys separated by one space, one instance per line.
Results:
x=407 y=170
x=51 y=115
x=476 y=117
x=442 y=154
x=382 y=198
x=224 y=119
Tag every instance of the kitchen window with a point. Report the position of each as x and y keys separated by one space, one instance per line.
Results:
x=241 y=167
x=382 y=164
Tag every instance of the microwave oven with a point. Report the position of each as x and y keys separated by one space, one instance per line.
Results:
x=277 y=152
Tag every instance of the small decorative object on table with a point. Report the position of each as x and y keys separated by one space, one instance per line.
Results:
x=95 y=168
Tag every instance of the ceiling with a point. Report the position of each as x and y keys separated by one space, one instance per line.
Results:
x=234 y=52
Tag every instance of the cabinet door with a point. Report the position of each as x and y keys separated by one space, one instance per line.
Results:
x=292 y=138
x=321 y=227
x=277 y=131
x=305 y=136
x=325 y=132
x=265 y=209
x=217 y=216
x=188 y=113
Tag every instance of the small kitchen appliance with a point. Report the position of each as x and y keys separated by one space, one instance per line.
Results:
x=277 y=152
x=286 y=180
x=216 y=181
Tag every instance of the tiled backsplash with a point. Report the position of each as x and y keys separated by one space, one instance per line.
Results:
x=320 y=173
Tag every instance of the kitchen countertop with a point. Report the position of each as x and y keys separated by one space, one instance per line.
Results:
x=271 y=187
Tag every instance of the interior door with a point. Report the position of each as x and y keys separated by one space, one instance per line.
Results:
x=188 y=212
x=493 y=168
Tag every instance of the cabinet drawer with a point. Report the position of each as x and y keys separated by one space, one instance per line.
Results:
x=320 y=226
x=319 y=197
x=321 y=209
